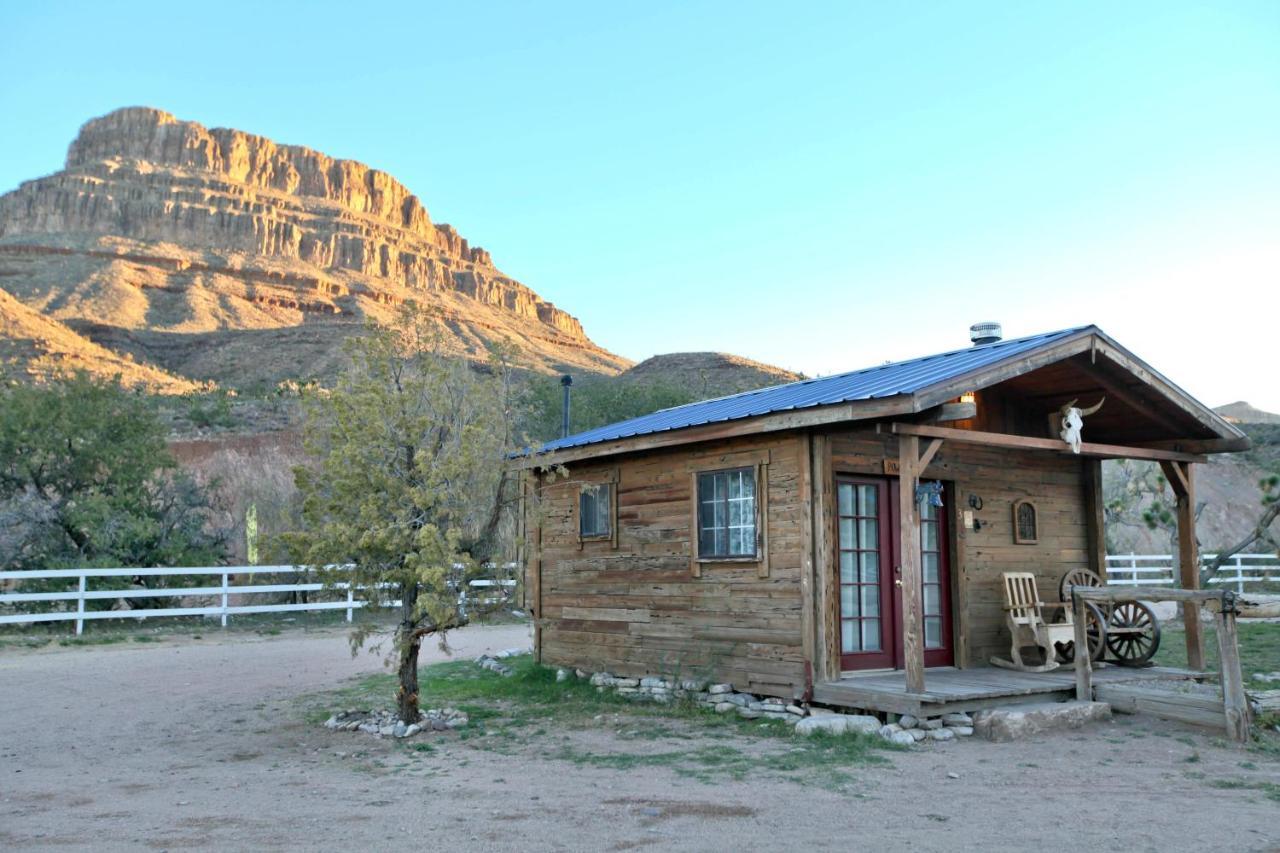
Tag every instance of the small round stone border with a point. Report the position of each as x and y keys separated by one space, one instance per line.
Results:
x=806 y=718
x=388 y=723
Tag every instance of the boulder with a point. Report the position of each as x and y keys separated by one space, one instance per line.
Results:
x=1022 y=721
x=838 y=724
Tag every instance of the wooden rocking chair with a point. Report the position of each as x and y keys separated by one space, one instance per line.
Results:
x=1024 y=612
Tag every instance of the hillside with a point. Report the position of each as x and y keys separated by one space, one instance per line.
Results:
x=34 y=347
x=708 y=374
x=1242 y=413
x=214 y=254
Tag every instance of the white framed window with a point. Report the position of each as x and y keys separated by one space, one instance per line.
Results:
x=727 y=514
x=595 y=511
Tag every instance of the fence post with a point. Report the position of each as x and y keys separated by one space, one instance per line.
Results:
x=80 y=607
x=1239 y=575
x=224 y=599
x=351 y=592
x=1133 y=568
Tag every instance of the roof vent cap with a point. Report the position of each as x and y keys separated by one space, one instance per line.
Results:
x=985 y=333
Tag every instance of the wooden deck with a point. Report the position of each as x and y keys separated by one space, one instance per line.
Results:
x=949 y=689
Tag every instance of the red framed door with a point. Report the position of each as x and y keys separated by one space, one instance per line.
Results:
x=868 y=567
x=864 y=564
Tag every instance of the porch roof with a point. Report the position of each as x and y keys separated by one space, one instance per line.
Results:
x=917 y=383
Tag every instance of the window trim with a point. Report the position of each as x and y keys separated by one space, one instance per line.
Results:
x=759 y=462
x=1018 y=538
x=607 y=478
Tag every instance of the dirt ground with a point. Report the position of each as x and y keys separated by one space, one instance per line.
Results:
x=200 y=745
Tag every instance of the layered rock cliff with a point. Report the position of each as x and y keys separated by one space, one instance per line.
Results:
x=164 y=227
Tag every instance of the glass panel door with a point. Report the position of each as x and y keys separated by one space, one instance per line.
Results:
x=865 y=611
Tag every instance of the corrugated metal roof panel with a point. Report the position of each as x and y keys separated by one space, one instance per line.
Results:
x=886 y=380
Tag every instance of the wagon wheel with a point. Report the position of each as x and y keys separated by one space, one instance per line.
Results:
x=1095 y=634
x=1133 y=633
x=1077 y=577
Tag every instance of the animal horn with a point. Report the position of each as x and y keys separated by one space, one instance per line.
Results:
x=1086 y=412
x=1068 y=406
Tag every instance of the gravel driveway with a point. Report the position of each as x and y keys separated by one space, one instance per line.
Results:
x=199 y=745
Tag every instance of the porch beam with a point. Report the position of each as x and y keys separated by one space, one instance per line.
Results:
x=1135 y=400
x=1025 y=442
x=927 y=456
x=1182 y=479
x=909 y=467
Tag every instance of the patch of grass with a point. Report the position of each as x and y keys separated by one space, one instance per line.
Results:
x=531 y=710
x=143 y=638
x=821 y=759
x=1270 y=789
x=92 y=640
x=1259 y=650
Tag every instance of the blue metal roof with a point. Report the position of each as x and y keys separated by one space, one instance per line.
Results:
x=886 y=380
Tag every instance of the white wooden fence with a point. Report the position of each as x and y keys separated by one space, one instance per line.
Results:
x=1159 y=570
x=222 y=592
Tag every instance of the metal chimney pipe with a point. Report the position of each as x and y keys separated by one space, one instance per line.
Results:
x=566 y=382
x=985 y=333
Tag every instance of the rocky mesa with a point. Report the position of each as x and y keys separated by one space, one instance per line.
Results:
x=215 y=254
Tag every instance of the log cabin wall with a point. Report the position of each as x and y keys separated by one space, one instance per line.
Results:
x=637 y=608
x=1055 y=483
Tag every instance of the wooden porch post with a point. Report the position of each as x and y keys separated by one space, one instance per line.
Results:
x=1095 y=523
x=1181 y=477
x=909 y=571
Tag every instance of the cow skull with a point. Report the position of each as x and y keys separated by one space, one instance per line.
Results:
x=1073 y=422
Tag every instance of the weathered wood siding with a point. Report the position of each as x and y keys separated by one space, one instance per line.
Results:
x=638 y=608
x=999 y=476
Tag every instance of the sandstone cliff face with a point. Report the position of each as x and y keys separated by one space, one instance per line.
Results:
x=280 y=226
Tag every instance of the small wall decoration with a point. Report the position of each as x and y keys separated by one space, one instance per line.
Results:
x=1026 y=525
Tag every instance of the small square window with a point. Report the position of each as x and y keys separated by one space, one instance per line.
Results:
x=595 y=516
x=727 y=514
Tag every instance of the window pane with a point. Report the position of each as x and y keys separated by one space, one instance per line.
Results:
x=868 y=533
x=870 y=600
x=931 y=571
x=847 y=563
x=586 y=513
x=929 y=511
x=845 y=491
x=848 y=636
x=871 y=635
x=932 y=601
x=604 y=524
x=870 y=562
x=933 y=632
x=929 y=536
x=849 y=601
x=748 y=480
x=846 y=534
x=867 y=500
x=707 y=541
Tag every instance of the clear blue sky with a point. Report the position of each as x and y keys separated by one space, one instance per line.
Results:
x=821 y=186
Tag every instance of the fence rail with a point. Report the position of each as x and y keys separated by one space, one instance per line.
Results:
x=223 y=592
x=1159 y=570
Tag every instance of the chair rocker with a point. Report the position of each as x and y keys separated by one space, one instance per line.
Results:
x=1024 y=614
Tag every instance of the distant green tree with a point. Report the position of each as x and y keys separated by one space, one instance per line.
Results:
x=596 y=401
x=410 y=481
x=86 y=479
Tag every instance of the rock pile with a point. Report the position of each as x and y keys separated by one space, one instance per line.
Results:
x=908 y=729
x=388 y=723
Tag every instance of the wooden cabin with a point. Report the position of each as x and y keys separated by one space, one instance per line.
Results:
x=789 y=541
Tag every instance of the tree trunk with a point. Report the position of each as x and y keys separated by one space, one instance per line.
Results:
x=409 y=642
x=407 y=695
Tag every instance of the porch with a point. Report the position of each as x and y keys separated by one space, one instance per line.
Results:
x=950 y=689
